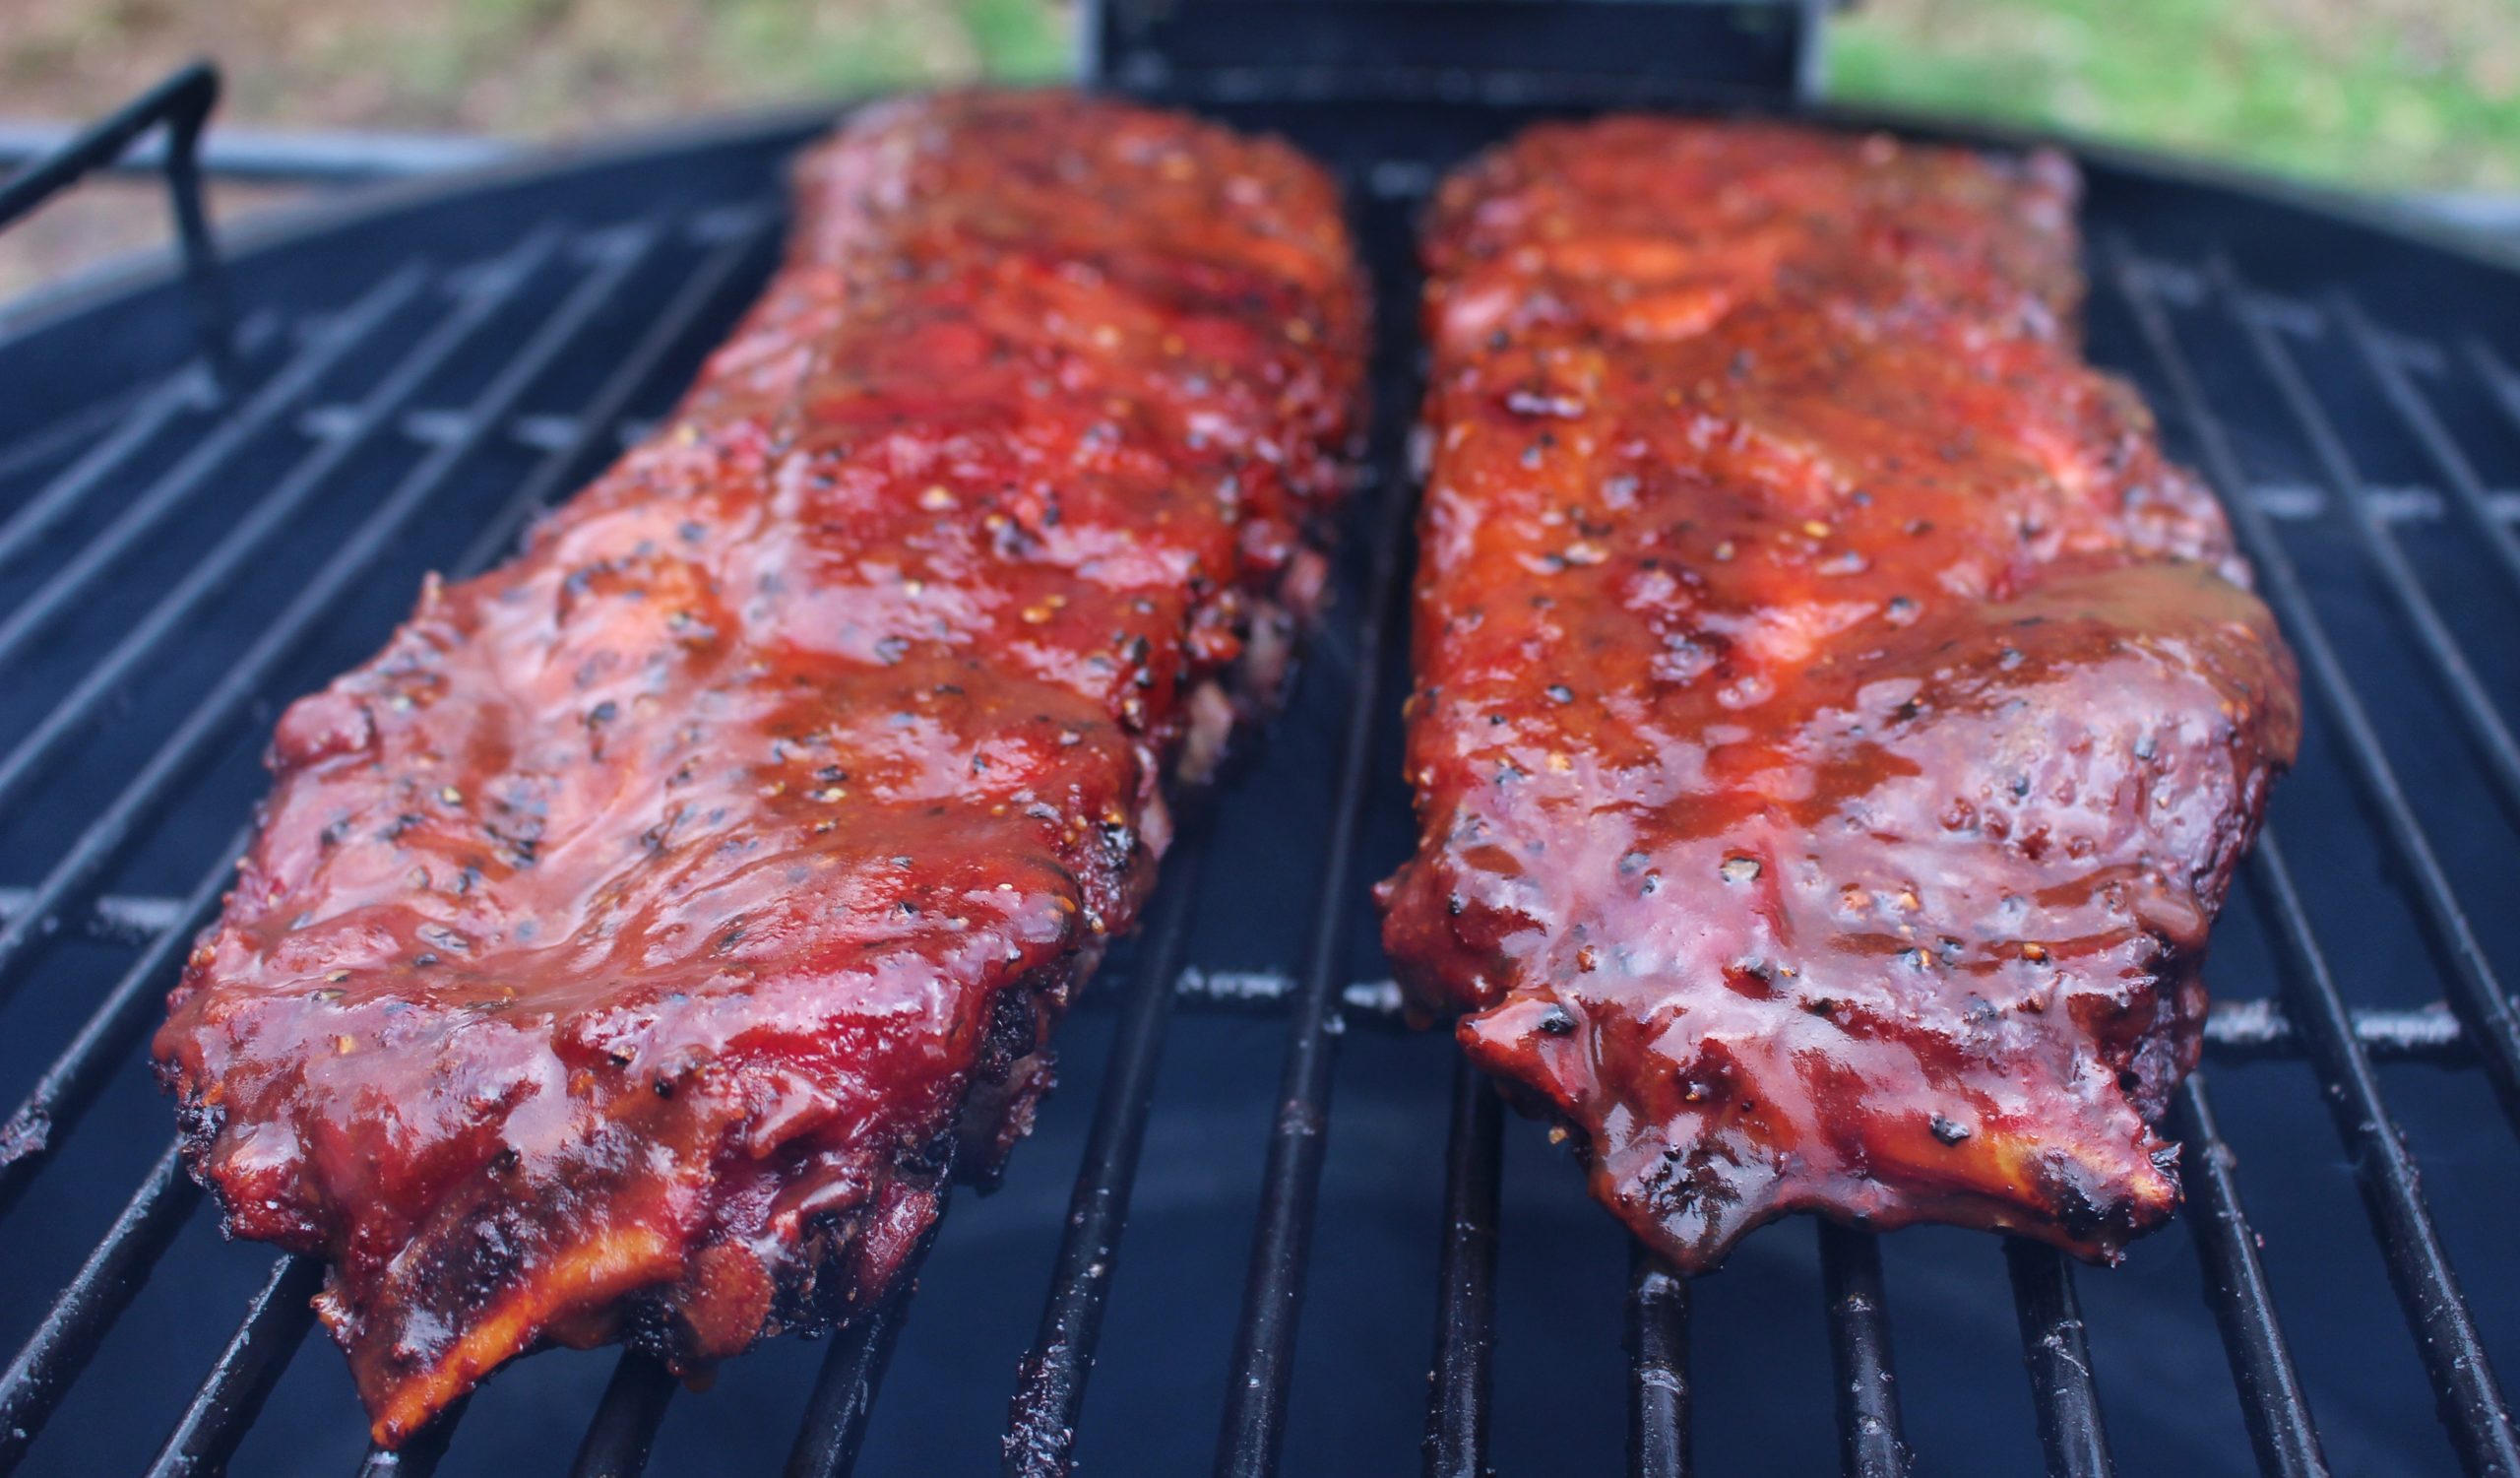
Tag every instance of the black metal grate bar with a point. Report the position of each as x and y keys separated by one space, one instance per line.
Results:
x=61 y=438
x=54 y=1106
x=2058 y=1358
x=70 y=585
x=186 y=393
x=1457 y=1406
x=2471 y=1398
x=2485 y=729
x=2503 y=385
x=1290 y=1181
x=270 y=515
x=1049 y=1385
x=2415 y=412
x=1658 y=1354
x=1871 y=1443
x=275 y=1323
x=2474 y=993
x=834 y=1423
x=2280 y=1426
x=215 y=715
x=59 y=1349
x=626 y=1419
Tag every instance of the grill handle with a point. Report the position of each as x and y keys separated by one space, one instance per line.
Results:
x=1598 y=52
x=181 y=103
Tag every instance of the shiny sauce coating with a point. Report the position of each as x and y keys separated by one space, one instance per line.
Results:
x=632 y=948
x=1836 y=723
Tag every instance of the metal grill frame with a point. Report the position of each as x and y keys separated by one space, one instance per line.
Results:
x=2308 y=1018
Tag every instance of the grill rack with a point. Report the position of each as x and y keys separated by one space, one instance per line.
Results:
x=559 y=289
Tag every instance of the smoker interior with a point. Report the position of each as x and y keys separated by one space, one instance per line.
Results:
x=422 y=370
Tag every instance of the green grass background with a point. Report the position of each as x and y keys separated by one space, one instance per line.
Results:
x=2387 y=93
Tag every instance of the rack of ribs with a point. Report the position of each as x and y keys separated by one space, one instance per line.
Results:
x=1836 y=723
x=635 y=946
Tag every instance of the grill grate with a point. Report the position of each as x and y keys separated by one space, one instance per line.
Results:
x=176 y=556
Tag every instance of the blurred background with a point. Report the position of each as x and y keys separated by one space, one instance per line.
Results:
x=2385 y=94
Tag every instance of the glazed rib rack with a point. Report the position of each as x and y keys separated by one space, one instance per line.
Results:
x=180 y=549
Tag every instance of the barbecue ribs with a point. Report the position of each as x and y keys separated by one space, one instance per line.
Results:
x=1836 y=723
x=632 y=948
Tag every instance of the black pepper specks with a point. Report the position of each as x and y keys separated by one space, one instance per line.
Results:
x=1948 y=1132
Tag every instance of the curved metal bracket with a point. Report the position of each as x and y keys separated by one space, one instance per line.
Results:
x=182 y=103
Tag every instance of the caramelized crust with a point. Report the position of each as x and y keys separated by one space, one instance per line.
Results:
x=1836 y=723
x=628 y=947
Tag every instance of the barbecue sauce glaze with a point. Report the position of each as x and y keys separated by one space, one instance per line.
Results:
x=1836 y=725
x=632 y=946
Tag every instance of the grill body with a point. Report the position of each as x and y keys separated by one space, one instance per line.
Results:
x=1317 y=1204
